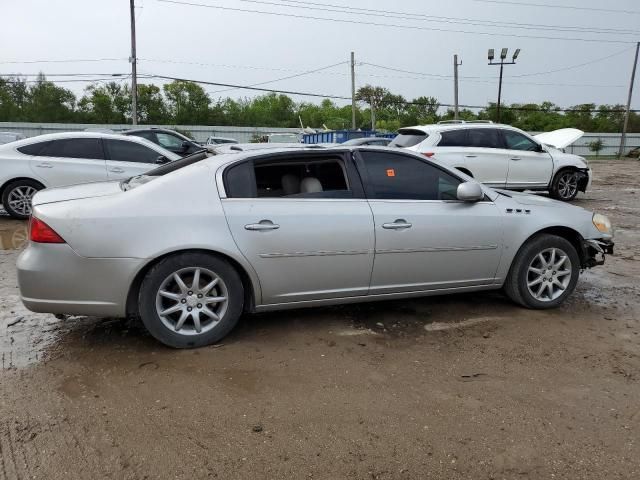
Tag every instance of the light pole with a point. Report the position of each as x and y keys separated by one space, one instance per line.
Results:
x=502 y=63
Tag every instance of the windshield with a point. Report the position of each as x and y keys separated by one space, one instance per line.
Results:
x=408 y=137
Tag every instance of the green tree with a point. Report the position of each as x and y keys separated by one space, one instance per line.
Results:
x=108 y=103
x=187 y=103
x=151 y=105
x=46 y=102
x=596 y=146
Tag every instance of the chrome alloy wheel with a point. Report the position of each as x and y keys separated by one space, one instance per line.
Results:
x=568 y=185
x=192 y=301
x=549 y=274
x=19 y=199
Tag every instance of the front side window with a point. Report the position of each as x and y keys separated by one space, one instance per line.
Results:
x=322 y=177
x=151 y=136
x=124 y=151
x=393 y=176
x=169 y=141
x=90 y=148
x=484 y=138
x=517 y=141
x=453 y=138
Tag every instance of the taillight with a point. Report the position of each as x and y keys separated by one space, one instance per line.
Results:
x=40 y=232
x=428 y=154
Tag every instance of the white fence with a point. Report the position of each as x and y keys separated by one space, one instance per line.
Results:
x=611 y=141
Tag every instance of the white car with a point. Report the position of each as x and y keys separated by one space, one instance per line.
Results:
x=219 y=141
x=59 y=159
x=501 y=156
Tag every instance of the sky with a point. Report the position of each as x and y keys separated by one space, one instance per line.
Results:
x=407 y=47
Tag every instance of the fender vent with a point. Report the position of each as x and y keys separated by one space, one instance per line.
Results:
x=518 y=210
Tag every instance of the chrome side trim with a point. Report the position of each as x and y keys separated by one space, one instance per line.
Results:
x=437 y=249
x=321 y=253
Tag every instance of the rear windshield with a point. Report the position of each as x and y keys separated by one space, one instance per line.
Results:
x=408 y=137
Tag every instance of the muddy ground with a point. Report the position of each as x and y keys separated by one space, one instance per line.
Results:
x=380 y=390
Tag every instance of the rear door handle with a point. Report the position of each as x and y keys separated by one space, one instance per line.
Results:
x=44 y=165
x=516 y=158
x=398 y=224
x=262 y=225
x=116 y=170
x=471 y=156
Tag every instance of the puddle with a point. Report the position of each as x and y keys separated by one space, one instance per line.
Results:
x=14 y=234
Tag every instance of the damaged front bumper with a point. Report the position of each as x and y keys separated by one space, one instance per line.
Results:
x=594 y=251
x=584 y=179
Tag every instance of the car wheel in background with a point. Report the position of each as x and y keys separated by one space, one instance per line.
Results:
x=544 y=272
x=191 y=299
x=565 y=185
x=17 y=197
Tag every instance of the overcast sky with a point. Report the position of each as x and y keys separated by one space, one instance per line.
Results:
x=242 y=47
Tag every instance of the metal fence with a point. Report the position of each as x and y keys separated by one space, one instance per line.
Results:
x=611 y=141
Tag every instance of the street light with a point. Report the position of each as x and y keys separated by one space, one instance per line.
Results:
x=502 y=63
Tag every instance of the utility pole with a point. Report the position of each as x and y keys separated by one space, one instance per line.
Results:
x=353 y=91
x=503 y=55
x=132 y=59
x=455 y=86
x=623 y=138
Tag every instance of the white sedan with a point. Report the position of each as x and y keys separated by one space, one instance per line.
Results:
x=59 y=159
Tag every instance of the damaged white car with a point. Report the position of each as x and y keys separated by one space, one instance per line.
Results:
x=501 y=156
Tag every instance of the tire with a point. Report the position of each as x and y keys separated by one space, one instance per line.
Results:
x=17 y=196
x=189 y=320
x=565 y=185
x=528 y=281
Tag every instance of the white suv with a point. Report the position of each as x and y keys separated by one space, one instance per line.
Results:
x=58 y=159
x=502 y=156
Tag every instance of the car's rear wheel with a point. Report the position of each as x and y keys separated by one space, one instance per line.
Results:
x=544 y=272
x=17 y=197
x=565 y=185
x=190 y=300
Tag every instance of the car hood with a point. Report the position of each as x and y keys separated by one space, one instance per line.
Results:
x=75 y=192
x=560 y=138
x=529 y=199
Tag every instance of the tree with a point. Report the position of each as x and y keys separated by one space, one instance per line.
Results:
x=187 y=102
x=108 y=103
x=596 y=146
x=374 y=97
x=46 y=102
x=151 y=105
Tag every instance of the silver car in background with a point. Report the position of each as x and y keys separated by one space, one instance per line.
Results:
x=193 y=244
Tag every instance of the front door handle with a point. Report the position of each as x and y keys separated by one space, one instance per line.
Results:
x=116 y=170
x=471 y=156
x=44 y=165
x=399 y=224
x=516 y=158
x=262 y=225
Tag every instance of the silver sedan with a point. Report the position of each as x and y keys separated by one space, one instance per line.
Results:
x=192 y=245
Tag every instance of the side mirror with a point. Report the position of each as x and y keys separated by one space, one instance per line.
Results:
x=161 y=160
x=185 y=146
x=469 y=192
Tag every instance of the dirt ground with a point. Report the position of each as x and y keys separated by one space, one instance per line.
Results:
x=463 y=386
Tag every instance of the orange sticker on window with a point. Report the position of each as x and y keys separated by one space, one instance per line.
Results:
x=391 y=172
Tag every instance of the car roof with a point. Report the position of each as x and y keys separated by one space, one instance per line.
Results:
x=442 y=127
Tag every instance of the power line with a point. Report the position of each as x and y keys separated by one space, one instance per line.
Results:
x=407 y=27
x=64 y=61
x=326 y=7
x=568 y=7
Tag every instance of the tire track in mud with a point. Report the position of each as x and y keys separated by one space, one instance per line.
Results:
x=10 y=451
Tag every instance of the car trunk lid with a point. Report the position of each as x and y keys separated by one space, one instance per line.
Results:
x=75 y=192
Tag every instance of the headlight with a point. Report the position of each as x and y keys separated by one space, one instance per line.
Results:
x=602 y=223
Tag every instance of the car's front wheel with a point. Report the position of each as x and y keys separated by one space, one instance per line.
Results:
x=191 y=299
x=17 y=197
x=565 y=185
x=544 y=272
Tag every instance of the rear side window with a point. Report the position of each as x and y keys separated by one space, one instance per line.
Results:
x=454 y=138
x=34 y=148
x=74 y=148
x=408 y=137
x=124 y=151
x=484 y=138
x=393 y=176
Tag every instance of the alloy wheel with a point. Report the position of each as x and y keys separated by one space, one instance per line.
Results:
x=549 y=274
x=568 y=185
x=19 y=199
x=192 y=301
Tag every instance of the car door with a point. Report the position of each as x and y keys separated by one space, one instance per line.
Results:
x=69 y=161
x=303 y=223
x=127 y=158
x=175 y=144
x=530 y=166
x=483 y=157
x=425 y=238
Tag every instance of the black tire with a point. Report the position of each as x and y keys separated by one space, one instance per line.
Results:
x=564 y=185
x=157 y=276
x=13 y=186
x=516 y=285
